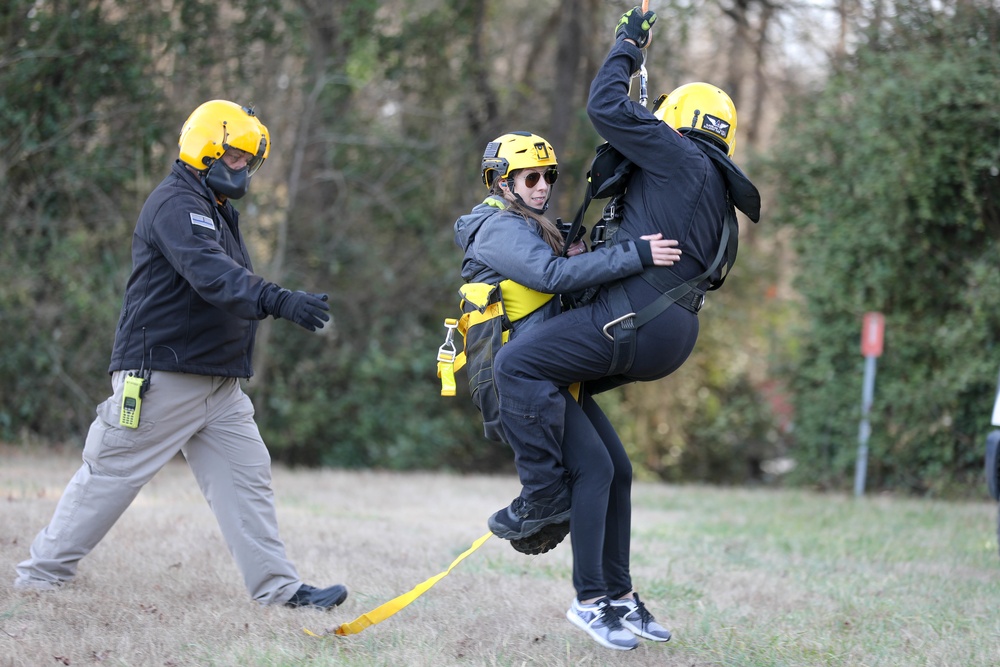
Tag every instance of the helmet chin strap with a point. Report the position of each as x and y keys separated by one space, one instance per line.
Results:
x=523 y=203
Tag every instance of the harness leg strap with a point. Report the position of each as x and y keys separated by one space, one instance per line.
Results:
x=623 y=354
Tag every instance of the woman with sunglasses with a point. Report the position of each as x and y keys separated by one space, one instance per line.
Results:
x=510 y=243
x=684 y=185
x=508 y=238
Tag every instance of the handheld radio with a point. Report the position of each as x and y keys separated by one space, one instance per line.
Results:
x=132 y=401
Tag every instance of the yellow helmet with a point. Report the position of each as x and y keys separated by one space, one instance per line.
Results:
x=513 y=151
x=217 y=125
x=703 y=109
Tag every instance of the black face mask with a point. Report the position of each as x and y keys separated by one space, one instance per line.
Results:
x=227 y=182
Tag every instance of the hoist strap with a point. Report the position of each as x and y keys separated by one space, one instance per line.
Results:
x=477 y=295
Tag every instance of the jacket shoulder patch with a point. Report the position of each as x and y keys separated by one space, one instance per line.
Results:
x=199 y=220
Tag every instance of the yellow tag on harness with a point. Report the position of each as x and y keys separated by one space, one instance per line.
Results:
x=446 y=371
x=446 y=358
x=386 y=610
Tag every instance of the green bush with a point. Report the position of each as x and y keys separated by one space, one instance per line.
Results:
x=890 y=179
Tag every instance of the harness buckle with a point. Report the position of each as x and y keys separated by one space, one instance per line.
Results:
x=447 y=350
x=446 y=359
x=621 y=320
x=611 y=210
x=700 y=303
x=598 y=233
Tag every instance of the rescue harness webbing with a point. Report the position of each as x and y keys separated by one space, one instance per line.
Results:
x=688 y=294
x=514 y=301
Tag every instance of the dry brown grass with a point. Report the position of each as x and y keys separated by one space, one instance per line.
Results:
x=161 y=589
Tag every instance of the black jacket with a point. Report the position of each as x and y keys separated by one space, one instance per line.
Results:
x=675 y=188
x=192 y=301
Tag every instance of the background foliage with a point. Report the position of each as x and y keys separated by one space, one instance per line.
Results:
x=892 y=182
x=881 y=194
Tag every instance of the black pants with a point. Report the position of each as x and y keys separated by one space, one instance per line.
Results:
x=601 y=516
x=530 y=369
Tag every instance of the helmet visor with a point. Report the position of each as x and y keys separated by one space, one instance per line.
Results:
x=257 y=160
x=254 y=164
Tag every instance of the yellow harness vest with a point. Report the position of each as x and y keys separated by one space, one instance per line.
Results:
x=515 y=301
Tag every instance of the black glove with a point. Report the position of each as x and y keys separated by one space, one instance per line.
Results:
x=635 y=25
x=304 y=308
x=546 y=539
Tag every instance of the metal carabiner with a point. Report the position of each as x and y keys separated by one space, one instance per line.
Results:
x=612 y=323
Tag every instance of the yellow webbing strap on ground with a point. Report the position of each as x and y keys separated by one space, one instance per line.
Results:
x=383 y=612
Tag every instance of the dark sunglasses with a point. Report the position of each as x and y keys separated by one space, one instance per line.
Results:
x=531 y=179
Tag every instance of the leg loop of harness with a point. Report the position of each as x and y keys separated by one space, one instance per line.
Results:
x=624 y=320
x=624 y=338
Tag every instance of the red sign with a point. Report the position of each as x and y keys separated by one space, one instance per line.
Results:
x=872 y=334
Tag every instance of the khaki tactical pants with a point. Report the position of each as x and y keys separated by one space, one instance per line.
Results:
x=210 y=420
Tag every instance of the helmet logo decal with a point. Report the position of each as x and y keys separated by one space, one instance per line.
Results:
x=541 y=151
x=716 y=126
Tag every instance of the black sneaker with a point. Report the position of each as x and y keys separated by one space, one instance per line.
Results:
x=525 y=517
x=320 y=598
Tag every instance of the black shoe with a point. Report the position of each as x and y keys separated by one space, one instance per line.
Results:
x=321 y=598
x=546 y=539
x=525 y=517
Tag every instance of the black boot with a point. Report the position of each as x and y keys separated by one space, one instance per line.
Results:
x=527 y=517
x=321 y=598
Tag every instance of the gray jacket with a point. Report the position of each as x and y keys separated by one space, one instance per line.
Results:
x=500 y=244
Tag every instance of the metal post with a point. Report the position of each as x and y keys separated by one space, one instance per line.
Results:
x=865 y=429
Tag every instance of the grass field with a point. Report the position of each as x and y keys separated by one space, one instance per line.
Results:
x=752 y=578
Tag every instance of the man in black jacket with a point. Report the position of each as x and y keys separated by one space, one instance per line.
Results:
x=184 y=340
x=683 y=185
